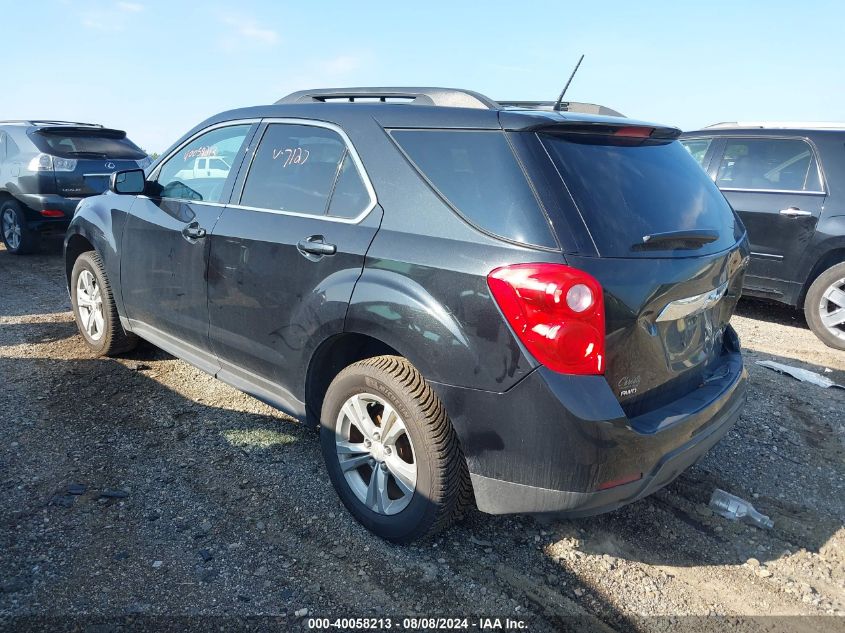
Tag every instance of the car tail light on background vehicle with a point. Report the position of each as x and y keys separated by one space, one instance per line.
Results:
x=45 y=162
x=556 y=311
x=52 y=213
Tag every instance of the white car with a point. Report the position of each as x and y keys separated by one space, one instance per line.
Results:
x=205 y=167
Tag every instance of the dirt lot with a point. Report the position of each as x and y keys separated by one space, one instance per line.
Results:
x=141 y=487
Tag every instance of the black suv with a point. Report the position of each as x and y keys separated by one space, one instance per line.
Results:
x=787 y=182
x=526 y=305
x=47 y=167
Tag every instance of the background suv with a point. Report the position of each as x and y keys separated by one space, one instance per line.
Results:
x=523 y=305
x=47 y=167
x=787 y=183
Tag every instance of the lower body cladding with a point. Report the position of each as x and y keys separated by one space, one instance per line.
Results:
x=561 y=444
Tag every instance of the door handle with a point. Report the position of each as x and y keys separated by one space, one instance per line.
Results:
x=194 y=232
x=795 y=212
x=313 y=247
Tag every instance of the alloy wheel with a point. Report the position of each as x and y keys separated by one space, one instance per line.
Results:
x=11 y=229
x=89 y=305
x=376 y=454
x=832 y=308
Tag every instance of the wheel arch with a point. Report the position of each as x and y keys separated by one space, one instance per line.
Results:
x=75 y=245
x=330 y=358
x=834 y=254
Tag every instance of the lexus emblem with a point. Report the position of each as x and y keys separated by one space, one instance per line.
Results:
x=109 y=165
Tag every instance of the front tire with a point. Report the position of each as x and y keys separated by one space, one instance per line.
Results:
x=94 y=308
x=391 y=452
x=17 y=237
x=824 y=306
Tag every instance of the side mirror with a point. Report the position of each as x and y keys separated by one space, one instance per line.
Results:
x=130 y=181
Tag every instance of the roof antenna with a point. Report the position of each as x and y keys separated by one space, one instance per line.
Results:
x=559 y=101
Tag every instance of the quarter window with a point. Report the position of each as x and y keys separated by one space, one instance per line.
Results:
x=477 y=173
x=305 y=169
x=200 y=169
x=782 y=164
x=350 y=195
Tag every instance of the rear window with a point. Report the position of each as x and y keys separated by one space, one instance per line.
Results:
x=626 y=190
x=87 y=144
x=476 y=172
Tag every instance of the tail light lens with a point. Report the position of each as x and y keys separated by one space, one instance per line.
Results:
x=556 y=311
x=52 y=213
x=45 y=162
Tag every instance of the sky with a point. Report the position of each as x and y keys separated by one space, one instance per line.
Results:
x=156 y=68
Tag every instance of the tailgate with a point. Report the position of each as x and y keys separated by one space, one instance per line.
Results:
x=666 y=247
x=665 y=320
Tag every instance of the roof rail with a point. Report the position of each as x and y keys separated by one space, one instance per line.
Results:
x=566 y=106
x=416 y=96
x=809 y=125
x=50 y=122
x=453 y=97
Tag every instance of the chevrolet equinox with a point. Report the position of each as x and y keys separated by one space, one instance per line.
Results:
x=513 y=306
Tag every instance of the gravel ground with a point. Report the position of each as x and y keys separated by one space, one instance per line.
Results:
x=140 y=487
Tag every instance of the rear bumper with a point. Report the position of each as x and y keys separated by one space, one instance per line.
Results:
x=556 y=443
x=35 y=203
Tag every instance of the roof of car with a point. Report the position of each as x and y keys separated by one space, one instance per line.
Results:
x=779 y=125
x=433 y=107
x=770 y=128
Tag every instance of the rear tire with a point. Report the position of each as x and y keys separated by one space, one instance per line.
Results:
x=94 y=308
x=409 y=483
x=19 y=239
x=824 y=306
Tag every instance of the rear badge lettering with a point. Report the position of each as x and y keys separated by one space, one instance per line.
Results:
x=628 y=385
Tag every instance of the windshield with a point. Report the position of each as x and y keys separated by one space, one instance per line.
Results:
x=628 y=189
x=87 y=143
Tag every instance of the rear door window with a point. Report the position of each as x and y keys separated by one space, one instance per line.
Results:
x=294 y=169
x=476 y=172
x=86 y=143
x=768 y=164
x=626 y=190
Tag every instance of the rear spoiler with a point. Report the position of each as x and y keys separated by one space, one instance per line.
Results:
x=628 y=130
x=88 y=131
x=576 y=123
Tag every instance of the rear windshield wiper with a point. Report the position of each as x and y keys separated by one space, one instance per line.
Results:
x=686 y=239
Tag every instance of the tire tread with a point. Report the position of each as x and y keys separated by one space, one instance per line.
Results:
x=452 y=494
x=117 y=340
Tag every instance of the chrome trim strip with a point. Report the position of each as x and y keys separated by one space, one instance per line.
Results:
x=689 y=306
x=107 y=175
x=791 y=191
x=208 y=204
x=327 y=218
x=766 y=255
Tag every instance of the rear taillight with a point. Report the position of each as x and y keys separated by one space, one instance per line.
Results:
x=45 y=162
x=556 y=311
x=52 y=213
